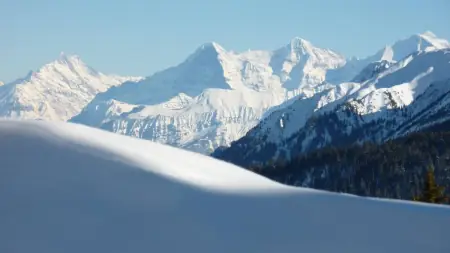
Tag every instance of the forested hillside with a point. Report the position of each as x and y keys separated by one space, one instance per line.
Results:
x=396 y=169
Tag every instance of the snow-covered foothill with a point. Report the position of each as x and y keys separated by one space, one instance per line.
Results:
x=70 y=188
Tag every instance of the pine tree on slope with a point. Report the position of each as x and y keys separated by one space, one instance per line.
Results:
x=432 y=193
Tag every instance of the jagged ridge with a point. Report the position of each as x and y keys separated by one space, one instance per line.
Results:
x=406 y=97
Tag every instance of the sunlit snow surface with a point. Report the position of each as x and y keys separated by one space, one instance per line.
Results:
x=69 y=188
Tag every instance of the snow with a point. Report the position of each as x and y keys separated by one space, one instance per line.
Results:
x=216 y=96
x=70 y=188
x=404 y=81
x=396 y=86
x=212 y=98
x=432 y=39
x=298 y=111
x=391 y=53
x=57 y=91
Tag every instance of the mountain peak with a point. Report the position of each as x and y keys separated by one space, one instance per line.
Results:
x=213 y=45
x=427 y=34
x=65 y=58
x=209 y=49
x=414 y=43
x=435 y=41
x=427 y=39
x=70 y=62
x=298 y=43
x=57 y=90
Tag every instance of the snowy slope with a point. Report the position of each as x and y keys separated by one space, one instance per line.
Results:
x=350 y=112
x=212 y=98
x=403 y=82
x=372 y=70
x=430 y=109
x=70 y=188
x=57 y=91
x=390 y=53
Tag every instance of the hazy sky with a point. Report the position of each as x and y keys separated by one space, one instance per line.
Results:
x=139 y=37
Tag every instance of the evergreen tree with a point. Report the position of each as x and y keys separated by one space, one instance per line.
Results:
x=432 y=193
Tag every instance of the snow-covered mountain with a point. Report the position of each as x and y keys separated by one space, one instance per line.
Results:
x=410 y=94
x=390 y=53
x=57 y=91
x=372 y=70
x=71 y=188
x=212 y=98
x=216 y=96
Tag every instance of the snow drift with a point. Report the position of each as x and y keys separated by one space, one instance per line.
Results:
x=70 y=188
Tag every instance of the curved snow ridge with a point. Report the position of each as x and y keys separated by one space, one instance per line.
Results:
x=176 y=164
x=70 y=188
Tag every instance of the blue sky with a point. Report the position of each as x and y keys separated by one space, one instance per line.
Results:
x=139 y=37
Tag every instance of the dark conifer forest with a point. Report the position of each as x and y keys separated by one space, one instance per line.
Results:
x=398 y=169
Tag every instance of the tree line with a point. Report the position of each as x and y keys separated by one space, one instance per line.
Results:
x=415 y=167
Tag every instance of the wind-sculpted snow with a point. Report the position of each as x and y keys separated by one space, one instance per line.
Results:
x=70 y=188
x=57 y=91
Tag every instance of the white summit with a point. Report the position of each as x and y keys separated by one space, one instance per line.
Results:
x=56 y=91
x=212 y=98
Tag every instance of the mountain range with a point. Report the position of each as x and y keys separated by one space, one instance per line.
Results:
x=390 y=99
x=262 y=103
x=212 y=98
x=216 y=96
